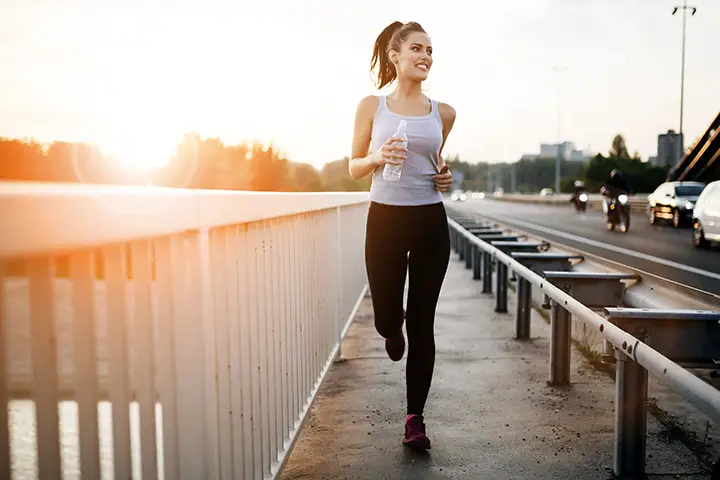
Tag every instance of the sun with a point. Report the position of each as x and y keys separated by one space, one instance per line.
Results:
x=138 y=151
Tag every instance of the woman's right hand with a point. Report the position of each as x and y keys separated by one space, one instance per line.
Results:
x=391 y=152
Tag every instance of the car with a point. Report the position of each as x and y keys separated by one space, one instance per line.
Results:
x=458 y=196
x=706 y=216
x=546 y=192
x=674 y=202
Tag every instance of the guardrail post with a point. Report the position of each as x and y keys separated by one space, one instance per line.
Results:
x=468 y=254
x=522 y=322
x=502 y=288
x=560 y=344
x=487 y=273
x=453 y=236
x=461 y=247
x=631 y=388
x=477 y=263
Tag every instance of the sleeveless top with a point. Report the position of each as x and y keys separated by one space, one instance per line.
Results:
x=424 y=133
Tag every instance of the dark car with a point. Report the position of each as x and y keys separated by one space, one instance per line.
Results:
x=674 y=202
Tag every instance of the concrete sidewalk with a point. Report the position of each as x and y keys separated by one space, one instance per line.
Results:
x=490 y=414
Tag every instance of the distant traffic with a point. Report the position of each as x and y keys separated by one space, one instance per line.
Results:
x=673 y=203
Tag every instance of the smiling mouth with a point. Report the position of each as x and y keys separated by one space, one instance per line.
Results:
x=422 y=67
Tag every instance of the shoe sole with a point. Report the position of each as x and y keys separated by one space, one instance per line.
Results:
x=417 y=444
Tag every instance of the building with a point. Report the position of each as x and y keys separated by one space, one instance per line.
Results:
x=670 y=149
x=567 y=152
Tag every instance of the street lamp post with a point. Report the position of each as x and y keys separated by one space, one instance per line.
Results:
x=558 y=69
x=684 y=9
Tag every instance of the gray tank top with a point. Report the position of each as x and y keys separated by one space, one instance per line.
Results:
x=416 y=185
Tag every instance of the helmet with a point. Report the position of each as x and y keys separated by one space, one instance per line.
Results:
x=578 y=183
x=615 y=173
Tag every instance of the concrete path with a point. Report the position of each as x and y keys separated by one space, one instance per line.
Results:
x=490 y=414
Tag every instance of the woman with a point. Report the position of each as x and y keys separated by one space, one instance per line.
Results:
x=407 y=224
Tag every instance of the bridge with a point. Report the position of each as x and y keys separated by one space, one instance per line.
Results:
x=699 y=162
x=177 y=334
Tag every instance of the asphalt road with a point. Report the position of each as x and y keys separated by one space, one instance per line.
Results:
x=660 y=250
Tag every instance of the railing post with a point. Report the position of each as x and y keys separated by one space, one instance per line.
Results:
x=477 y=263
x=468 y=254
x=461 y=247
x=502 y=287
x=631 y=388
x=487 y=273
x=338 y=300
x=522 y=322
x=560 y=343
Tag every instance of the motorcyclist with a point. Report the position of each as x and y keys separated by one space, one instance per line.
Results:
x=614 y=186
x=578 y=188
x=616 y=183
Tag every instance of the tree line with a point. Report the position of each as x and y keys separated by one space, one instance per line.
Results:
x=531 y=176
x=196 y=163
x=211 y=164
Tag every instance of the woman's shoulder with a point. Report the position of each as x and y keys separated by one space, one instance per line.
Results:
x=368 y=103
x=367 y=108
x=447 y=112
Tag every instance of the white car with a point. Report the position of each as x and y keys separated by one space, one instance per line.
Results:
x=706 y=216
x=458 y=196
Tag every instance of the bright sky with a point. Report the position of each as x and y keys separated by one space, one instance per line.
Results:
x=134 y=76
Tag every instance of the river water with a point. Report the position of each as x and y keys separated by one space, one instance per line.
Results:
x=23 y=440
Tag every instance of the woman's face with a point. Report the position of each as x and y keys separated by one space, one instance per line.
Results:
x=415 y=57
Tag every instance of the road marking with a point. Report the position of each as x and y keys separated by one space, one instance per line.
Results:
x=614 y=248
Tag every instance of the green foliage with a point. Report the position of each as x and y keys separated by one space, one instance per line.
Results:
x=531 y=176
x=619 y=148
x=642 y=177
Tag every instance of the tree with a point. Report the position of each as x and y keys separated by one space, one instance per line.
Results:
x=268 y=171
x=336 y=178
x=306 y=178
x=619 y=148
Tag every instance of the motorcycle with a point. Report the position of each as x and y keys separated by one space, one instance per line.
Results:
x=617 y=211
x=580 y=201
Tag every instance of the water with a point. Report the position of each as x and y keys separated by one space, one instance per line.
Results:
x=392 y=173
x=23 y=440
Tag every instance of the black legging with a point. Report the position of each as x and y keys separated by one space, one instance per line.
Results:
x=392 y=233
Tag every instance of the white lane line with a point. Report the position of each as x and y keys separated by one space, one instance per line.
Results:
x=614 y=248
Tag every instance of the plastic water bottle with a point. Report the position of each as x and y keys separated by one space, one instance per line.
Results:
x=392 y=173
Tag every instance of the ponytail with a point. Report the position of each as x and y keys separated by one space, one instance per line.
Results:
x=391 y=38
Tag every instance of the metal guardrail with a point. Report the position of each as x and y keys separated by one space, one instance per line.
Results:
x=631 y=350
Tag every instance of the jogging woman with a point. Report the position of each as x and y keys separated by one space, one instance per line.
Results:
x=407 y=224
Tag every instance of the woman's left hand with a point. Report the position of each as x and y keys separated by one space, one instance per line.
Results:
x=443 y=180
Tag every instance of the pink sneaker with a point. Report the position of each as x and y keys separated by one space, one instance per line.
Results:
x=415 y=436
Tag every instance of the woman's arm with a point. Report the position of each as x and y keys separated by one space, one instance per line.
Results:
x=443 y=181
x=447 y=115
x=363 y=163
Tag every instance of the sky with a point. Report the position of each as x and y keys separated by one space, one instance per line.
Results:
x=133 y=77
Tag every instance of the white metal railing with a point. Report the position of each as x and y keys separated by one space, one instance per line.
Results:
x=167 y=333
